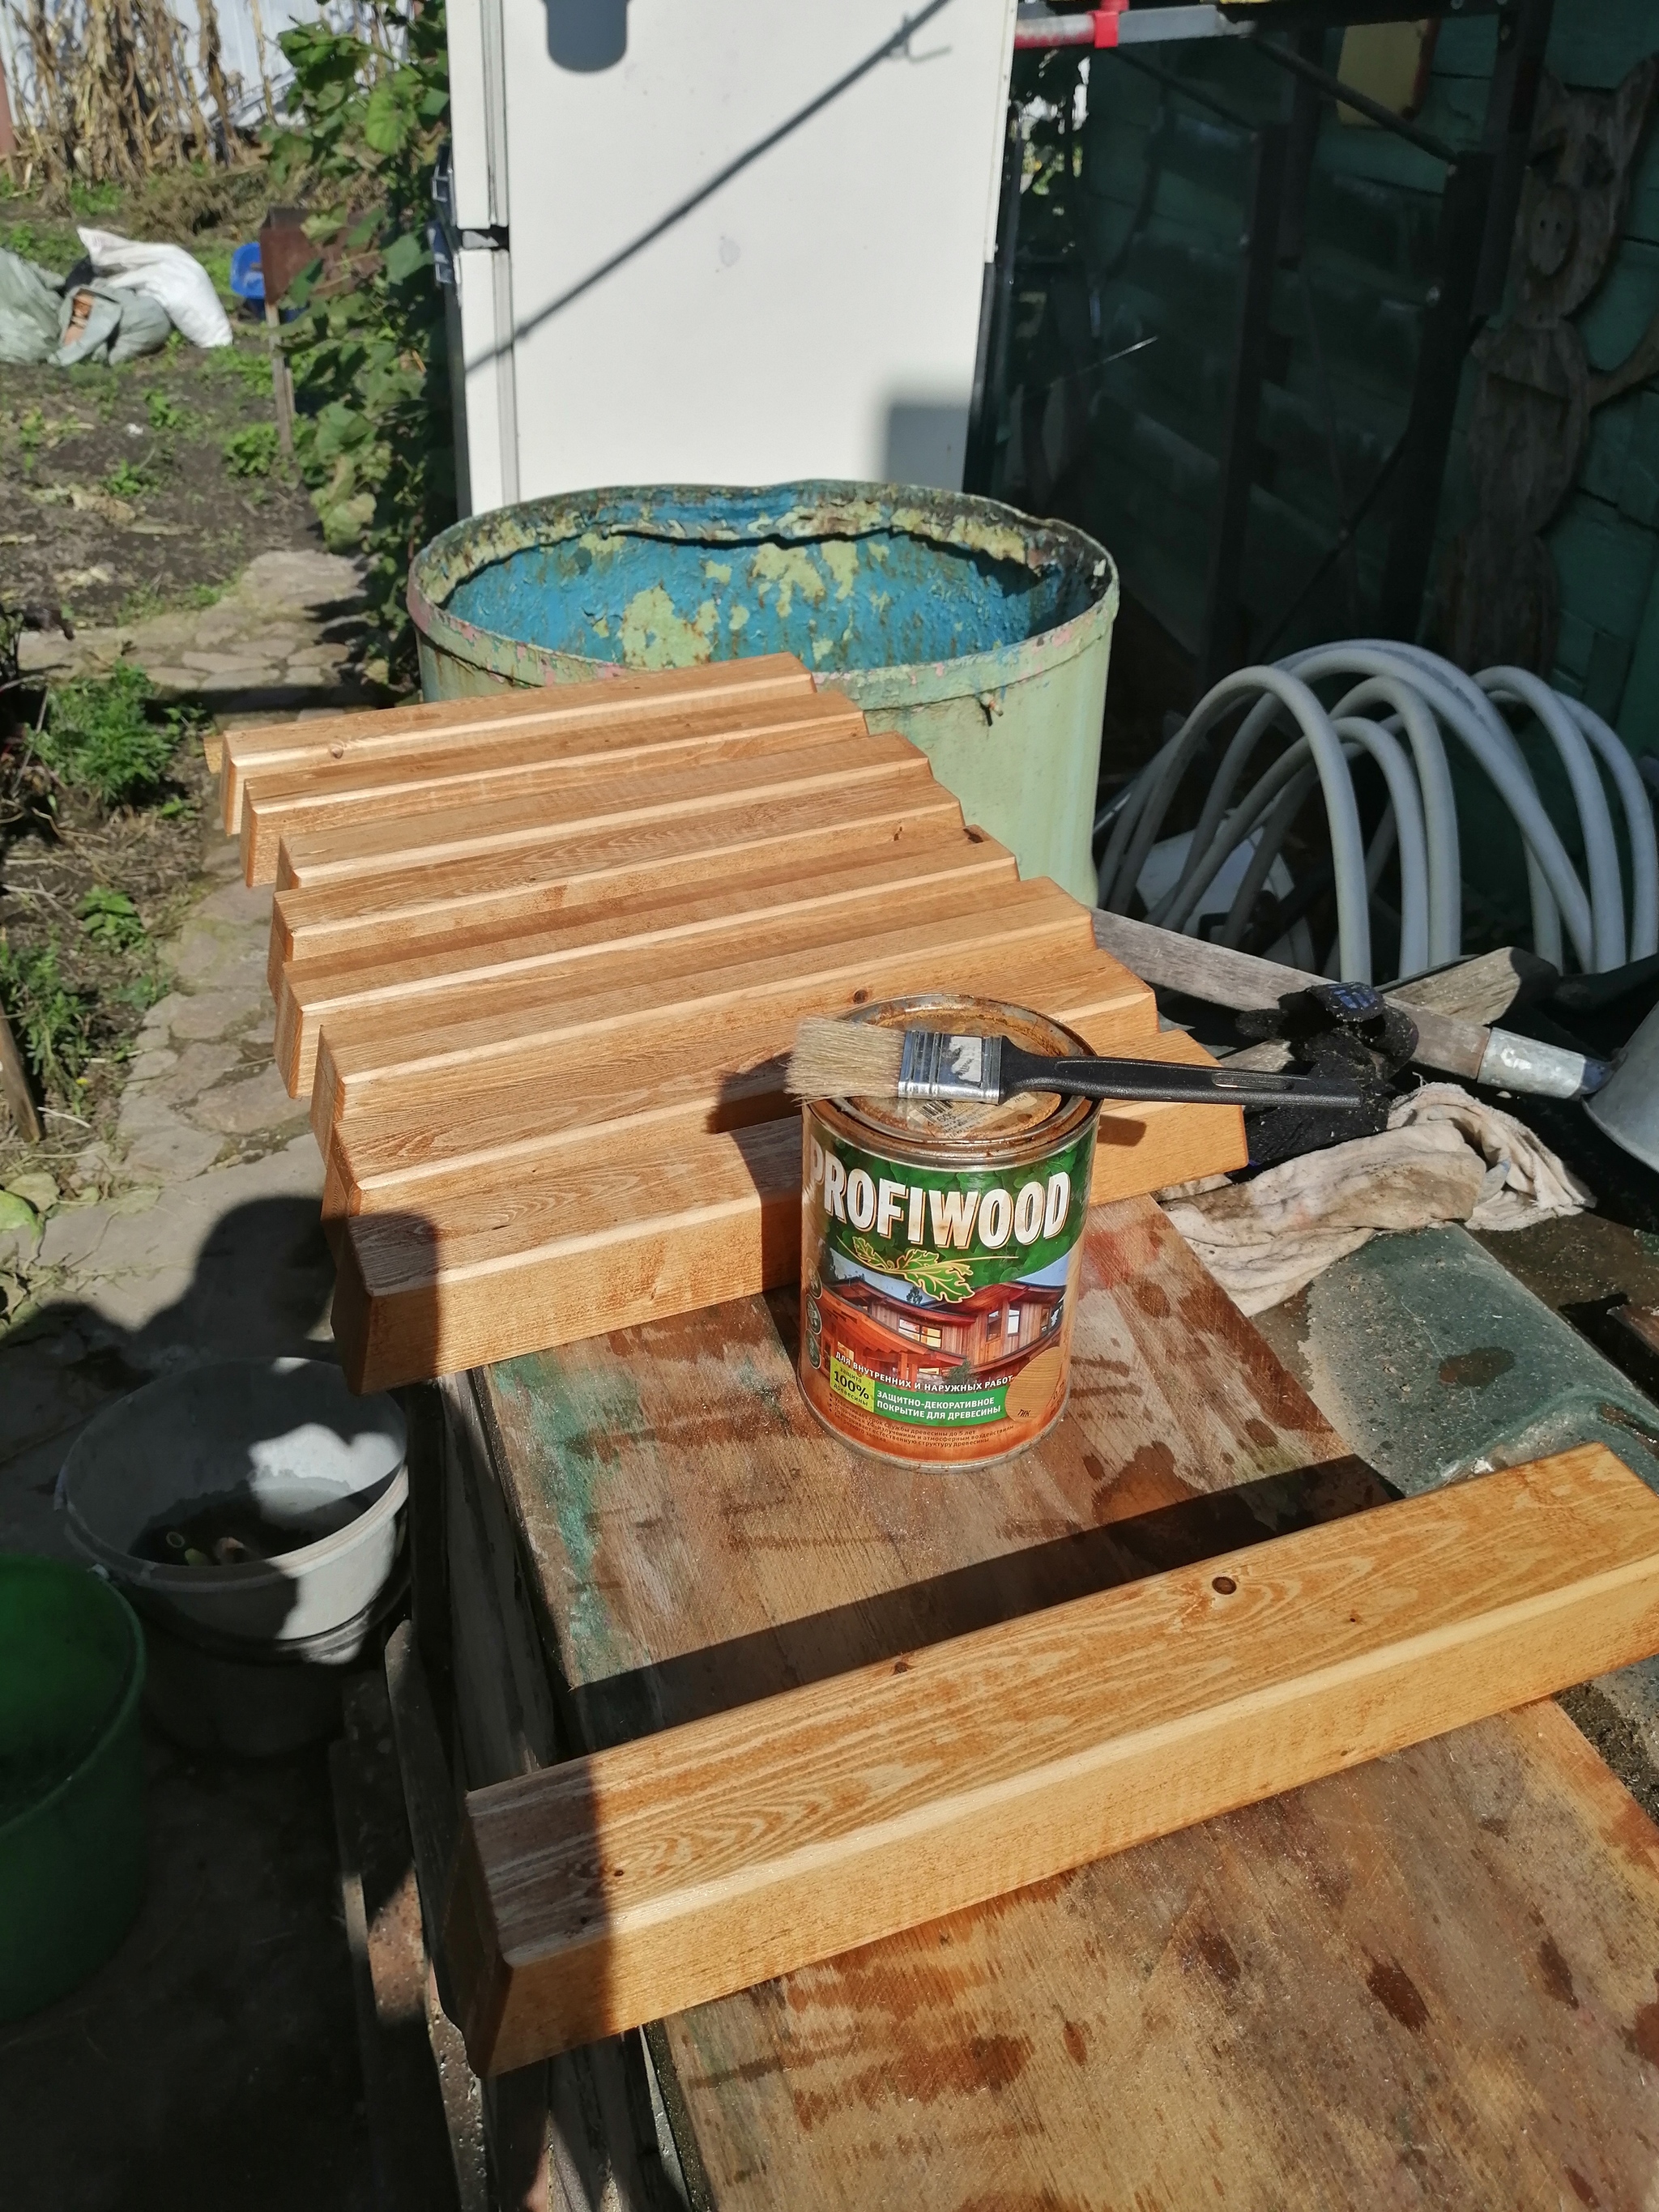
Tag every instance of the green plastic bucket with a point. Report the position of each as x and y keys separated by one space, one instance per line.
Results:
x=72 y=1777
x=979 y=634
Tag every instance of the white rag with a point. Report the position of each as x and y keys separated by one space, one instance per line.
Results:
x=1444 y=1157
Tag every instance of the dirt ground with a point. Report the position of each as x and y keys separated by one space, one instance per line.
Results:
x=116 y=495
x=123 y=496
x=150 y=855
x=213 y=2060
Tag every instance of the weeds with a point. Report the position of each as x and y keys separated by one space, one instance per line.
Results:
x=374 y=437
x=111 y=920
x=145 y=601
x=252 y=452
x=129 y=480
x=251 y=368
x=164 y=411
x=99 y=737
x=51 y=1022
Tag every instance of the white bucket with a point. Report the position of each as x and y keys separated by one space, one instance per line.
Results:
x=286 y=1433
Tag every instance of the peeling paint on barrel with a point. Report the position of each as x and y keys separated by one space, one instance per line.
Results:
x=981 y=635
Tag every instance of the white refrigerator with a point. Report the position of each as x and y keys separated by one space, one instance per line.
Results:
x=719 y=241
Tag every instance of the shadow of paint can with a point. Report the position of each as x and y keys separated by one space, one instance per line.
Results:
x=939 y=1252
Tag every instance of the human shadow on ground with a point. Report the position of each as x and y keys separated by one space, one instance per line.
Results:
x=218 y=2048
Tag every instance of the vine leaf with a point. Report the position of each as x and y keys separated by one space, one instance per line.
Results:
x=930 y=1272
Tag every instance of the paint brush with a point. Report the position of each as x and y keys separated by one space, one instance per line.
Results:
x=860 y=1060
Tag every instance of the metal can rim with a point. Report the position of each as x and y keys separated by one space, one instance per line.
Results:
x=981 y=1148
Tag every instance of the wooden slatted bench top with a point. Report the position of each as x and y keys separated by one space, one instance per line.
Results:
x=1428 y=1980
x=537 y=958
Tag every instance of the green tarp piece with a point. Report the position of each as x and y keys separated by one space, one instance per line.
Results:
x=37 y=311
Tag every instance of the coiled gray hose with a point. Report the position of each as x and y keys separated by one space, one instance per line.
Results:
x=1391 y=692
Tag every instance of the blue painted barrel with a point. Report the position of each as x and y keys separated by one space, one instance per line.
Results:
x=980 y=634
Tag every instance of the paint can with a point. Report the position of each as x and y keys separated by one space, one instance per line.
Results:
x=940 y=1246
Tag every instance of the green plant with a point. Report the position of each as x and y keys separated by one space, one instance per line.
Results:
x=31 y=430
x=129 y=480
x=252 y=452
x=249 y=367
x=100 y=737
x=216 y=259
x=164 y=411
x=142 y=992
x=110 y=919
x=367 y=348
x=95 y=199
x=50 y=1020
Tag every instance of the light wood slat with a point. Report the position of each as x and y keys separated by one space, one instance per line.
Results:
x=318 y=793
x=306 y=997
x=1221 y=2016
x=394 y=731
x=383 y=914
x=479 y=832
x=609 y=1891
x=397 y=791
x=720 y=1083
x=633 y=1224
x=457 y=1278
x=468 y=1148
x=404 y=1307
x=563 y=1017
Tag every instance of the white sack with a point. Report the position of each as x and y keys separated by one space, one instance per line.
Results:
x=1444 y=1157
x=167 y=274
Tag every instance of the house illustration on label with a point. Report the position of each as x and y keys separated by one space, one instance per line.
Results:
x=982 y=1339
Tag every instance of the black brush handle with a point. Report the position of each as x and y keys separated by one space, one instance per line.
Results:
x=1156 y=1079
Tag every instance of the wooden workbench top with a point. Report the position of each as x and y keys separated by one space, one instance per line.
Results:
x=1433 y=1980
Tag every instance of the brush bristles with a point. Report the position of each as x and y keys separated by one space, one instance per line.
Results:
x=844 y=1059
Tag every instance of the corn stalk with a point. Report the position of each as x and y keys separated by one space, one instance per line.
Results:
x=109 y=95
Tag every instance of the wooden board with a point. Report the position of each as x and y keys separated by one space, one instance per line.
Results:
x=848 y=896
x=626 y=697
x=1429 y=1980
x=388 y=913
x=537 y=962
x=678 y=1002
x=383 y=1162
x=403 y=842
x=499 y=1256
x=609 y=1890
x=582 y=780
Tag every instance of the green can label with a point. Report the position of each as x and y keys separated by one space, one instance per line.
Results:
x=935 y=1297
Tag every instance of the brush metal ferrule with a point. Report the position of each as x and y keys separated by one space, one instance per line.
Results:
x=967 y=1069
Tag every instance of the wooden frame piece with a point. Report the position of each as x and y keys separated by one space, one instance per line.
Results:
x=536 y=958
x=516 y=1251
x=528 y=773
x=614 y=1889
x=386 y=913
x=403 y=733
x=677 y=1003
x=591 y=806
x=721 y=915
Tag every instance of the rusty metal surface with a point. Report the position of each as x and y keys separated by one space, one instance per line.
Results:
x=981 y=635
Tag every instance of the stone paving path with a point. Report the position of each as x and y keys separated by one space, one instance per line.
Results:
x=192 y=1234
x=282 y=636
x=218 y=2045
